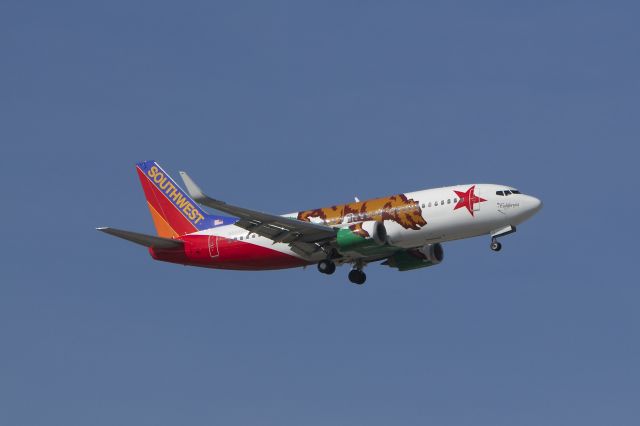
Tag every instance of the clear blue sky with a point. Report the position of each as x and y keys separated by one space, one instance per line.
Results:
x=281 y=106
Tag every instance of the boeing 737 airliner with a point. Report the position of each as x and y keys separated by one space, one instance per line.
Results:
x=404 y=231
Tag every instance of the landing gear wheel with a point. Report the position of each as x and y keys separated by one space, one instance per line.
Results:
x=326 y=267
x=357 y=277
x=495 y=245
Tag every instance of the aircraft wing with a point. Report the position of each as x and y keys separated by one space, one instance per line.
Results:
x=302 y=236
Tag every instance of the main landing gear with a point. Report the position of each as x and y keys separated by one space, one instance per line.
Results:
x=326 y=267
x=356 y=276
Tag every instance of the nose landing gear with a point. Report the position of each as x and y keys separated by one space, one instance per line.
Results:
x=495 y=245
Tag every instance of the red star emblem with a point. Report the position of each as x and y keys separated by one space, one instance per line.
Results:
x=468 y=199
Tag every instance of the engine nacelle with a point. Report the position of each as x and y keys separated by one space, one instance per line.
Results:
x=434 y=253
x=362 y=237
x=428 y=255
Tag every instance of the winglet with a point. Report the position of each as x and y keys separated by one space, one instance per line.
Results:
x=194 y=190
x=196 y=193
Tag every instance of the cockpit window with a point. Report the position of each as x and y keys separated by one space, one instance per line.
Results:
x=508 y=192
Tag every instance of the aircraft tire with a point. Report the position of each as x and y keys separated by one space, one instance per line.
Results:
x=357 y=277
x=326 y=267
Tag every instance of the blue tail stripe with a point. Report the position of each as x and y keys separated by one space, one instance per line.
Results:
x=153 y=170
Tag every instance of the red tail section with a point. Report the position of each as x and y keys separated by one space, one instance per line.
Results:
x=173 y=212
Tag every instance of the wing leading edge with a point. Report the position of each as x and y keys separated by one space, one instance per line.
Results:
x=304 y=237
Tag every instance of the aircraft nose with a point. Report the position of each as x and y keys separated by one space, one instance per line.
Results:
x=534 y=204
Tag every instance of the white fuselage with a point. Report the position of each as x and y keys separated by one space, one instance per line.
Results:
x=446 y=219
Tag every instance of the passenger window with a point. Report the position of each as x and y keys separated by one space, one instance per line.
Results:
x=429 y=203
x=436 y=204
x=423 y=205
x=442 y=203
x=449 y=201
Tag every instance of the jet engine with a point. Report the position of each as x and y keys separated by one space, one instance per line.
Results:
x=362 y=237
x=432 y=253
x=428 y=255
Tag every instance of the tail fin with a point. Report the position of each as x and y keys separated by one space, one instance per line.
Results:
x=174 y=213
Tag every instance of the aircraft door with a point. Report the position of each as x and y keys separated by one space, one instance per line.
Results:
x=213 y=246
x=476 y=193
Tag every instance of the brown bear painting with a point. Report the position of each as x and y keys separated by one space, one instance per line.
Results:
x=398 y=208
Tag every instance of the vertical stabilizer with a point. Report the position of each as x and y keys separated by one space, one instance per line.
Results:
x=174 y=213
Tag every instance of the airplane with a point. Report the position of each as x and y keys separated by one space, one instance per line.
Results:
x=403 y=231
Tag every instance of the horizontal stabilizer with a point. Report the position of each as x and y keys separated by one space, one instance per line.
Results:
x=143 y=239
